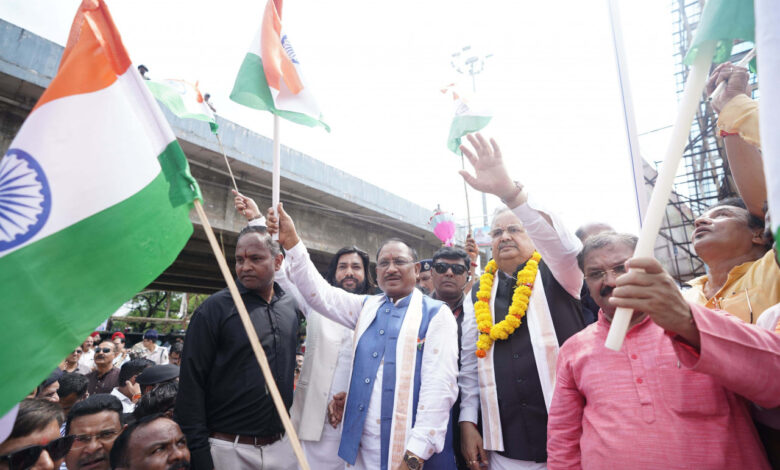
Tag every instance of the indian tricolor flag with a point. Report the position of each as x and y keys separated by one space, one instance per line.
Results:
x=469 y=117
x=270 y=77
x=95 y=195
x=183 y=99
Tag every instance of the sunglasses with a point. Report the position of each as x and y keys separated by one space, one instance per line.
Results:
x=23 y=459
x=457 y=269
x=78 y=351
x=103 y=350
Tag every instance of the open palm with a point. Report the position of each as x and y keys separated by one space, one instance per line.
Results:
x=491 y=175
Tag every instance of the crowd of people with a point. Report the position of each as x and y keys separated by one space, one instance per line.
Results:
x=433 y=364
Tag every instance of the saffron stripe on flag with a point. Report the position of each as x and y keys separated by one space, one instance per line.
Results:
x=84 y=269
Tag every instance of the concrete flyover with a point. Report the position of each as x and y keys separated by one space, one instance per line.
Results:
x=331 y=208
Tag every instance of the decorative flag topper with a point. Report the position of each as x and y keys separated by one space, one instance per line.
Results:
x=443 y=226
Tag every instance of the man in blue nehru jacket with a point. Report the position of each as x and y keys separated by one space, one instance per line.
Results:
x=404 y=372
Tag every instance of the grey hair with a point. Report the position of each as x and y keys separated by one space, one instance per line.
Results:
x=603 y=240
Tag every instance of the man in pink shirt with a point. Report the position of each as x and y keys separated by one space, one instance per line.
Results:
x=677 y=393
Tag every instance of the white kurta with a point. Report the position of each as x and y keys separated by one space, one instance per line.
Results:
x=438 y=369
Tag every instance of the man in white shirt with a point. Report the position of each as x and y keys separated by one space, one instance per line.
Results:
x=404 y=372
x=156 y=354
x=129 y=391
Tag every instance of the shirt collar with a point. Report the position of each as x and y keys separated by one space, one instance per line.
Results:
x=604 y=324
x=403 y=302
x=278 y=291
x=458 y=305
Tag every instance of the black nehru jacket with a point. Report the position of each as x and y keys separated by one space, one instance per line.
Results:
x=221 y=386
x=520 y=399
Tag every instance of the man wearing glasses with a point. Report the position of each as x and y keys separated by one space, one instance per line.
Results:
x=683 y=377
x=35 y=438
x=450 y=276
x=404 y=373
x=105 y=376
x=528 y=305
x=94 y=425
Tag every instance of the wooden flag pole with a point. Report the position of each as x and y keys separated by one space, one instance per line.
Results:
x=276 y=171
x=466 y=191
x=697 y=77
x=230 y=170
x=253 y=339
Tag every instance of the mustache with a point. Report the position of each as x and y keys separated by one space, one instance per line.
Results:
x=182 y=464
x=606 y=290
x=506 y=244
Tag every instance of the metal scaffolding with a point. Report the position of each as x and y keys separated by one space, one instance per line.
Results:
x=704 y=176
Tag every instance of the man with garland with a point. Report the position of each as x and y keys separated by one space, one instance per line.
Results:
x=527 y=305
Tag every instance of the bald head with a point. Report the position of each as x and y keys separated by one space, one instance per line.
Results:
x=593 y=228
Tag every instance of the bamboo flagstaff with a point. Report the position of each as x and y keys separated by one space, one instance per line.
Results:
x=230 y=170
x=697 y=77
x=253 y=339
x=466 y=191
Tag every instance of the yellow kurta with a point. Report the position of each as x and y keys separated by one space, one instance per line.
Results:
x=751 y=287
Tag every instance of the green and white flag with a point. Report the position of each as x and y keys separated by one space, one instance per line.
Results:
x=723 y=22
x=270 y=77
x=95 y=195
x=183 y=99
x=469 y=117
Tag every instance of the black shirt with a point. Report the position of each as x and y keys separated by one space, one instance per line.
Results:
x=221 y=384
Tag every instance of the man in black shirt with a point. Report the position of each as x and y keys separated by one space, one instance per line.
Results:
x=223 y=406
x=533 y=287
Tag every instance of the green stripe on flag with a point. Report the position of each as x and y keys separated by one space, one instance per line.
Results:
x=723 y=21
x=462 y=125
x=251 y=89
x=56 y=290
x=174 y=101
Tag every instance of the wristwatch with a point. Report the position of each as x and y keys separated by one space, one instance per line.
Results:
x=518 y=190
x=412 y=461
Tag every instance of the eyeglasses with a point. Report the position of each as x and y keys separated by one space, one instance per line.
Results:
x=616 y=270
x=77 y=351
x=457 y=269
x=398 y=262
x=25 y=458
x=105 y=436
x=103 y=350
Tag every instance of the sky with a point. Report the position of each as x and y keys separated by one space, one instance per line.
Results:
x=376 y=69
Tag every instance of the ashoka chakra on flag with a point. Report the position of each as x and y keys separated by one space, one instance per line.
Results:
x=25 y=198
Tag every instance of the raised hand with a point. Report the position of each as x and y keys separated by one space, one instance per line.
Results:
x=283 y=225
x=491 y=175
x=246 y=206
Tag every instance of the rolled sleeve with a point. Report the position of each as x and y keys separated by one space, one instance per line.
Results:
x=439 y=388
x=558 y=246
x=741 y=115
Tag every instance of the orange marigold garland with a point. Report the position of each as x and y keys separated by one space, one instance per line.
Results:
x=525 y=284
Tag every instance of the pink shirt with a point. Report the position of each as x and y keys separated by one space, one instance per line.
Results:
x=658 y=403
